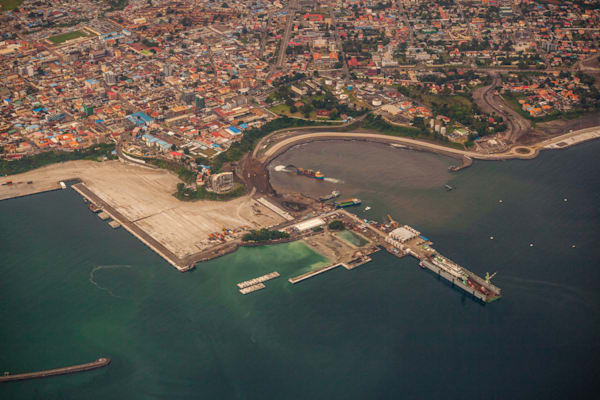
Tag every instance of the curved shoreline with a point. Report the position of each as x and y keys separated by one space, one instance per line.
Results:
x=514 y=153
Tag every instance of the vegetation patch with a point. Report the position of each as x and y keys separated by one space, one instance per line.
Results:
x=523 y=150
x=95 y=153
x=336 y=225
x=251 y=138
x=8 y=5
x=181 y=171
x=378 y=124
x=264 y=235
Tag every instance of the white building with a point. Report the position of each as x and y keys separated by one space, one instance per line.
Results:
x=309 y=224
x=404 y=234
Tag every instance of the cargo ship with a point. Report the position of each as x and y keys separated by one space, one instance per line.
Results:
x=330 y=196
x=310 y=173
x=347 y=203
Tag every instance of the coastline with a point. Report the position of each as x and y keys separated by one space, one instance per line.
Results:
x=158 y=234
x=515 y=152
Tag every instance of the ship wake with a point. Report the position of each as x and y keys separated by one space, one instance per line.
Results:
x=101 y=267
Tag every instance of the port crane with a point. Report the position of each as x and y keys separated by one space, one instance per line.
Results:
x=488 y=277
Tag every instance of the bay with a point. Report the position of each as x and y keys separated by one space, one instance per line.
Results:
x=72 y=289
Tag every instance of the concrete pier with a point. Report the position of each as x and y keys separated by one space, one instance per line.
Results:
x=258 y=280
x=99 y=363
x=315 y=272
x=19 y=189
x=148 y=240
x=253 y=288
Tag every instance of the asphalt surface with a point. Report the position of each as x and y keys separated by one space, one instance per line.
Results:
x=487 y=99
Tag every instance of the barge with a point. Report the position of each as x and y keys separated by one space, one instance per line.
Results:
x=348 y=203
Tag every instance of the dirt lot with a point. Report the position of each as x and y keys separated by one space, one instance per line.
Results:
x=144 y=196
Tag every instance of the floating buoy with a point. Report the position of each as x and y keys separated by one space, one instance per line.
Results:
x=530 y=244
x=565 y=199
x=499 y=201
x=491 y=238
x=573 y=246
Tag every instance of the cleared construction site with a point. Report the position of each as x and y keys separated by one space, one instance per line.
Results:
x=141 y=200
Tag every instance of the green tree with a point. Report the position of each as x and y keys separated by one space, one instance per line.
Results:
x=336 y=225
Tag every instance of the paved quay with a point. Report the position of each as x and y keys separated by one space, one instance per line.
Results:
x=148 y=240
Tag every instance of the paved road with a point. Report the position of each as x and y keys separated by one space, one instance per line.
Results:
x=522 y=152
x=285 y=39
x=338 y=41
x=286 y=143
x=490 y=102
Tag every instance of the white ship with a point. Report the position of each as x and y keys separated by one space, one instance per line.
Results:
x=450 y=267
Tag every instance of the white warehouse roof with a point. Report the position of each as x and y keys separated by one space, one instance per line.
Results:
x=404 y=233
x=309 y=224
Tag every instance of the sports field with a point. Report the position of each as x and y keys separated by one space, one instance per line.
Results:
x=63 y=37
x=9 y=4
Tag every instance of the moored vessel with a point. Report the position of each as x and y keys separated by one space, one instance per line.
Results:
x=347 y=203
x=330 y=196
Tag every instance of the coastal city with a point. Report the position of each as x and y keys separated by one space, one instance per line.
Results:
x=214 y=132
x=184 y=81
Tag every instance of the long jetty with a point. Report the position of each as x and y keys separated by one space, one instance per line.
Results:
x=315 y=272
x=99 y=363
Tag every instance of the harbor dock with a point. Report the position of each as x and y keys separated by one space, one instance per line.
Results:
x=472 y=284
x=99 y=363
x=253 y=288
x=400 y=241
x=312 y=273
x=260 y=279
x=148 y=240
x=114 y=224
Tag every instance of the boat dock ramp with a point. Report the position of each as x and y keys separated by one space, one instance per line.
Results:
x=255 y=284
x=114 y=224
x=253 y=288
x=260 y=279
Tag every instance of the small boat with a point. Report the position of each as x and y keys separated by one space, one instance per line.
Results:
x=448 y=188
x=62 y=185
x=367 y=208
x=330 y=196
x=310 y=173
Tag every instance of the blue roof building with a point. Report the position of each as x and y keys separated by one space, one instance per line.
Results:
x=139 y=118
